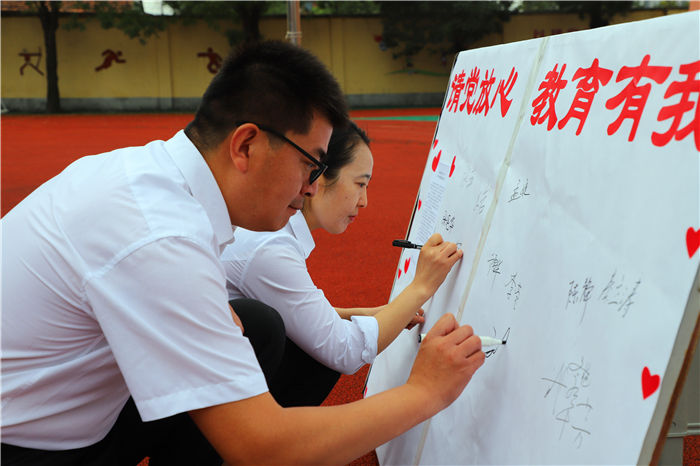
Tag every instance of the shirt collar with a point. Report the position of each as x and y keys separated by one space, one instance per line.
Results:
x=202 y=185
x=300 y=230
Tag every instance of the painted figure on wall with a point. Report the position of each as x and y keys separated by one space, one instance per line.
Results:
x=110 y=56
x=28 y=61
x=214 y=60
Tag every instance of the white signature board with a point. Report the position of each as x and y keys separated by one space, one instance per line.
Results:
x=567 y=169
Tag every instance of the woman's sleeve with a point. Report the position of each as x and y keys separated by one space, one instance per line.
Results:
x=277 y=275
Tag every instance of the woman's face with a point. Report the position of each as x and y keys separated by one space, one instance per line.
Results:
x=335 y=206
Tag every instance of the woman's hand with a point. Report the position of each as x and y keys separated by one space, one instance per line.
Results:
x=434 y=263
x=436 y=259
x=416 y=320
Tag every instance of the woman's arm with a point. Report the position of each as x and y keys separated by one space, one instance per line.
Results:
x=276 y=275
x=434 y=263
x=347 y=312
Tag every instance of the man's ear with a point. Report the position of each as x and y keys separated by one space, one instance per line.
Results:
x=243 y=142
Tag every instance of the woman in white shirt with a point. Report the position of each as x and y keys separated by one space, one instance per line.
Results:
x=271 y=267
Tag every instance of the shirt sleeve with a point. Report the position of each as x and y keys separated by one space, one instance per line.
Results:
x=171 y=331
x=276 y=274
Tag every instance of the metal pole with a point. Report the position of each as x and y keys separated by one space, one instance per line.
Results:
x=293 y=22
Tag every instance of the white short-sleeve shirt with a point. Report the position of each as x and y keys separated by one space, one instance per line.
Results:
x=112 y=286
x=271 y=267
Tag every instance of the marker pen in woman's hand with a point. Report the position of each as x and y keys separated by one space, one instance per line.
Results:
x=402 y=243
x=485 y=341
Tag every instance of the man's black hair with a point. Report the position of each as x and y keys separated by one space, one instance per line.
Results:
x=341 y=149
x=272 y=83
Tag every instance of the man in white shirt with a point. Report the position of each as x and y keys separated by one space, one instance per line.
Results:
x=113 y=291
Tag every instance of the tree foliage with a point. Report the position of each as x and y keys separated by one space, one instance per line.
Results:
x=240 y=20
x=344 y=8
x=598 y=13
x=443 y=27
x=128 y=17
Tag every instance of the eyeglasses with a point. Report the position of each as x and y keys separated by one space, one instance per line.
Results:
x=315 y=173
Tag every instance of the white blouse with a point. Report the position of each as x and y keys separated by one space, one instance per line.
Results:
x=271 y=267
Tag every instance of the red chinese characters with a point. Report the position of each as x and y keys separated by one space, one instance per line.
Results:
x=635 y=96
x=482 y=103
x=682 y=96
x=504 y=88
x=589 y=81
x=477 y=92
x=619 y=103
x=691 y=85
x=455 y=92
x=472 y=84
x=544 y=103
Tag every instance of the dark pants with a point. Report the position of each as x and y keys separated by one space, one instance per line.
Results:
x=293 y=377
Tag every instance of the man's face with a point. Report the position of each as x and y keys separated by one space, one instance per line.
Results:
x=282 y=181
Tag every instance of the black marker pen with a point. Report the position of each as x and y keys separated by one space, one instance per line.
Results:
x=402 y=243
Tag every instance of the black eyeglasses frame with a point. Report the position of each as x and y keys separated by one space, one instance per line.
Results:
x=316 y=173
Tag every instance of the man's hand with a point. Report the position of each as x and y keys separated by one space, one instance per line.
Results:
x=434 y=263
x=257 y=430
x=446 y=361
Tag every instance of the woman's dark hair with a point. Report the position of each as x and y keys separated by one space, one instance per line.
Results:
x=341 y=149
x=271 y=83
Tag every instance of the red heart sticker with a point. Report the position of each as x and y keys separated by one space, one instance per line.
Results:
x=452 y=168
x=435 y=143
x=419 y=204
x=436 y=159
x=399 y=272
x=406 y=263
x=650 y=383
x=692 y=240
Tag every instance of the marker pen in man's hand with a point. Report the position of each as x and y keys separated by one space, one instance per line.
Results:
x=485 y=341
x=490 y=341
x=402 y=243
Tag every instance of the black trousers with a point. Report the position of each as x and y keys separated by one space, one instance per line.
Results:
x=293 y=377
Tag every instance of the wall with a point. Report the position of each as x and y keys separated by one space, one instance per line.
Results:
x=170 y=72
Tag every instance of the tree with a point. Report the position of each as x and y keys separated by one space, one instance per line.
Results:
x=130 y=18
x=48 y=16
x=126 y=16
x=443 y=27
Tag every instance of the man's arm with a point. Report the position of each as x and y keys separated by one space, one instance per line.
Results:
x=258 y=430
